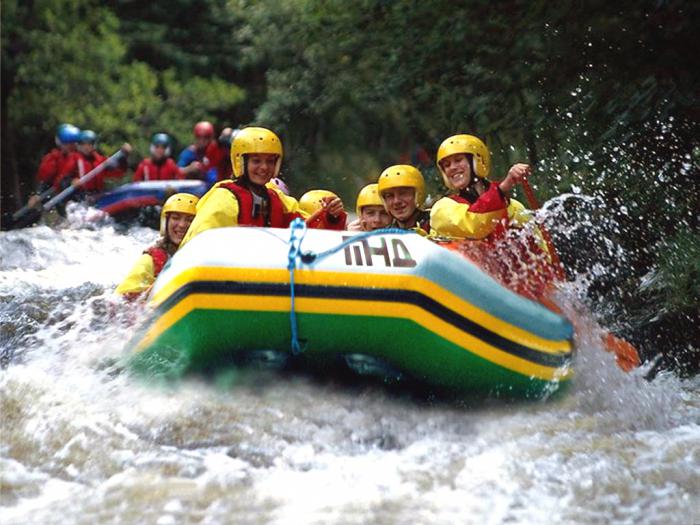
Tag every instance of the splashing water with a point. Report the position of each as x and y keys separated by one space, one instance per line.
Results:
x=83 y=441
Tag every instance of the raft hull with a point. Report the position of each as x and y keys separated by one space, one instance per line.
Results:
x=419 y=310
x=125 y=202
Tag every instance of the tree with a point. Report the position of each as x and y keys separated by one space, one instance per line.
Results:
x=65 y=61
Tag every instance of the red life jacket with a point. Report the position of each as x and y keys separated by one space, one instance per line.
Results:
x=78 y=165
x=149 y=170
x=159 y=256
x=500 y=228
x=277 y=218
x=220 y=159
x=51 y=165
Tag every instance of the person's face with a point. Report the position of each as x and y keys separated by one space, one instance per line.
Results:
x=374 y=217
x=70 y=147
x=261 y=167
x=201 y=141
x=86 y=148
x=400 y=202
x=158 y=151
x=457 y=169
x=177 y=226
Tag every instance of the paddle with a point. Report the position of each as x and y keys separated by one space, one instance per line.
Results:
x=107 y=164
x=42 y=197
x=626 y=355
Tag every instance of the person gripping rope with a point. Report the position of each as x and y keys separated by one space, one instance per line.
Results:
x=325 y=210
x=371 y=214
x=402 y=190
x=175 y=218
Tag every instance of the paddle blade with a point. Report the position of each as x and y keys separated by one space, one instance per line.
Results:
x=626 y=355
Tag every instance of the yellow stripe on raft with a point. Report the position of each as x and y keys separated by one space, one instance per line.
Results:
x=352 y=307
x=365 y=280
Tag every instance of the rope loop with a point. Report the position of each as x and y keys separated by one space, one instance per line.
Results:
x=297 y=234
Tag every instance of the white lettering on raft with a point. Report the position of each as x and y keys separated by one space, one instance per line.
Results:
x=363 y=254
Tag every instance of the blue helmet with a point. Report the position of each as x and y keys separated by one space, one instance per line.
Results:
x=67 y=134
x=87 y=136
x=161 y=139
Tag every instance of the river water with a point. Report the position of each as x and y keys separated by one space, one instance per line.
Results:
x=83 y=441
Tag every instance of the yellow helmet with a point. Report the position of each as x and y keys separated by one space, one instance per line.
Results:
x=402 y=175
x=181 y=203
x=471 y=145
x=312 y=200
x=254 y=140
x=368 y=196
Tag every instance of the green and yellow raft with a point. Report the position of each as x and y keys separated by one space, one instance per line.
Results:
x=390 y=303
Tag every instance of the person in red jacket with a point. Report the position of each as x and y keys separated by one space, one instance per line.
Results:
x=203 y=135
x=218 y=153
x=67 y=137
x=160 y=166
x=85 y=160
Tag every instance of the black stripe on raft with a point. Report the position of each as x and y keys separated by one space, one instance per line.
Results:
x=368 y=294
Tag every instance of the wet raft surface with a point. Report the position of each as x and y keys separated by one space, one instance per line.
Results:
x=82 y=441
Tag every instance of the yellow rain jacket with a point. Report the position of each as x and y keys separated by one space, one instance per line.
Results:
x=219 y=208
x=140 y=278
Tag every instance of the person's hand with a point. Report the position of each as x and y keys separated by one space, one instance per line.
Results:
x=75 y=182
x=334 y=206
x=515 y=175
x=126 y=148
x=33 y=201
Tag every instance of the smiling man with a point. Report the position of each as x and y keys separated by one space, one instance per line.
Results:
x=402 y=189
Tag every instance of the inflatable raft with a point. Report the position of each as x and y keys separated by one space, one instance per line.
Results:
x=126 y=202
x=393 y=304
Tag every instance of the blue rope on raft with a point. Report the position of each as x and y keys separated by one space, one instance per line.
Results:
x=298 y=225
x=297 y=233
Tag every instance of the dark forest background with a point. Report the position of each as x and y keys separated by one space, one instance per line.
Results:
x=601 y=97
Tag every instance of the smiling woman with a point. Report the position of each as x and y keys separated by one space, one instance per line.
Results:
x=175 y=218
x=479 y=209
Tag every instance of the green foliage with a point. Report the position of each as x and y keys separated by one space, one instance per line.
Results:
x=72 y=67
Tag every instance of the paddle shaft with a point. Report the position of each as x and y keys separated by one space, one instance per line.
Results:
x=626 y=355
x=23 y=210
x=82 y=180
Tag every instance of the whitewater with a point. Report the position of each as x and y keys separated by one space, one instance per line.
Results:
x=82 y=440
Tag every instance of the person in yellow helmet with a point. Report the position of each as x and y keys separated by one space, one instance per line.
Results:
x=477 y=208
x=175 y=218
x=371 y=214
x=325 y=210
x=251 y=198
x=402 y=190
